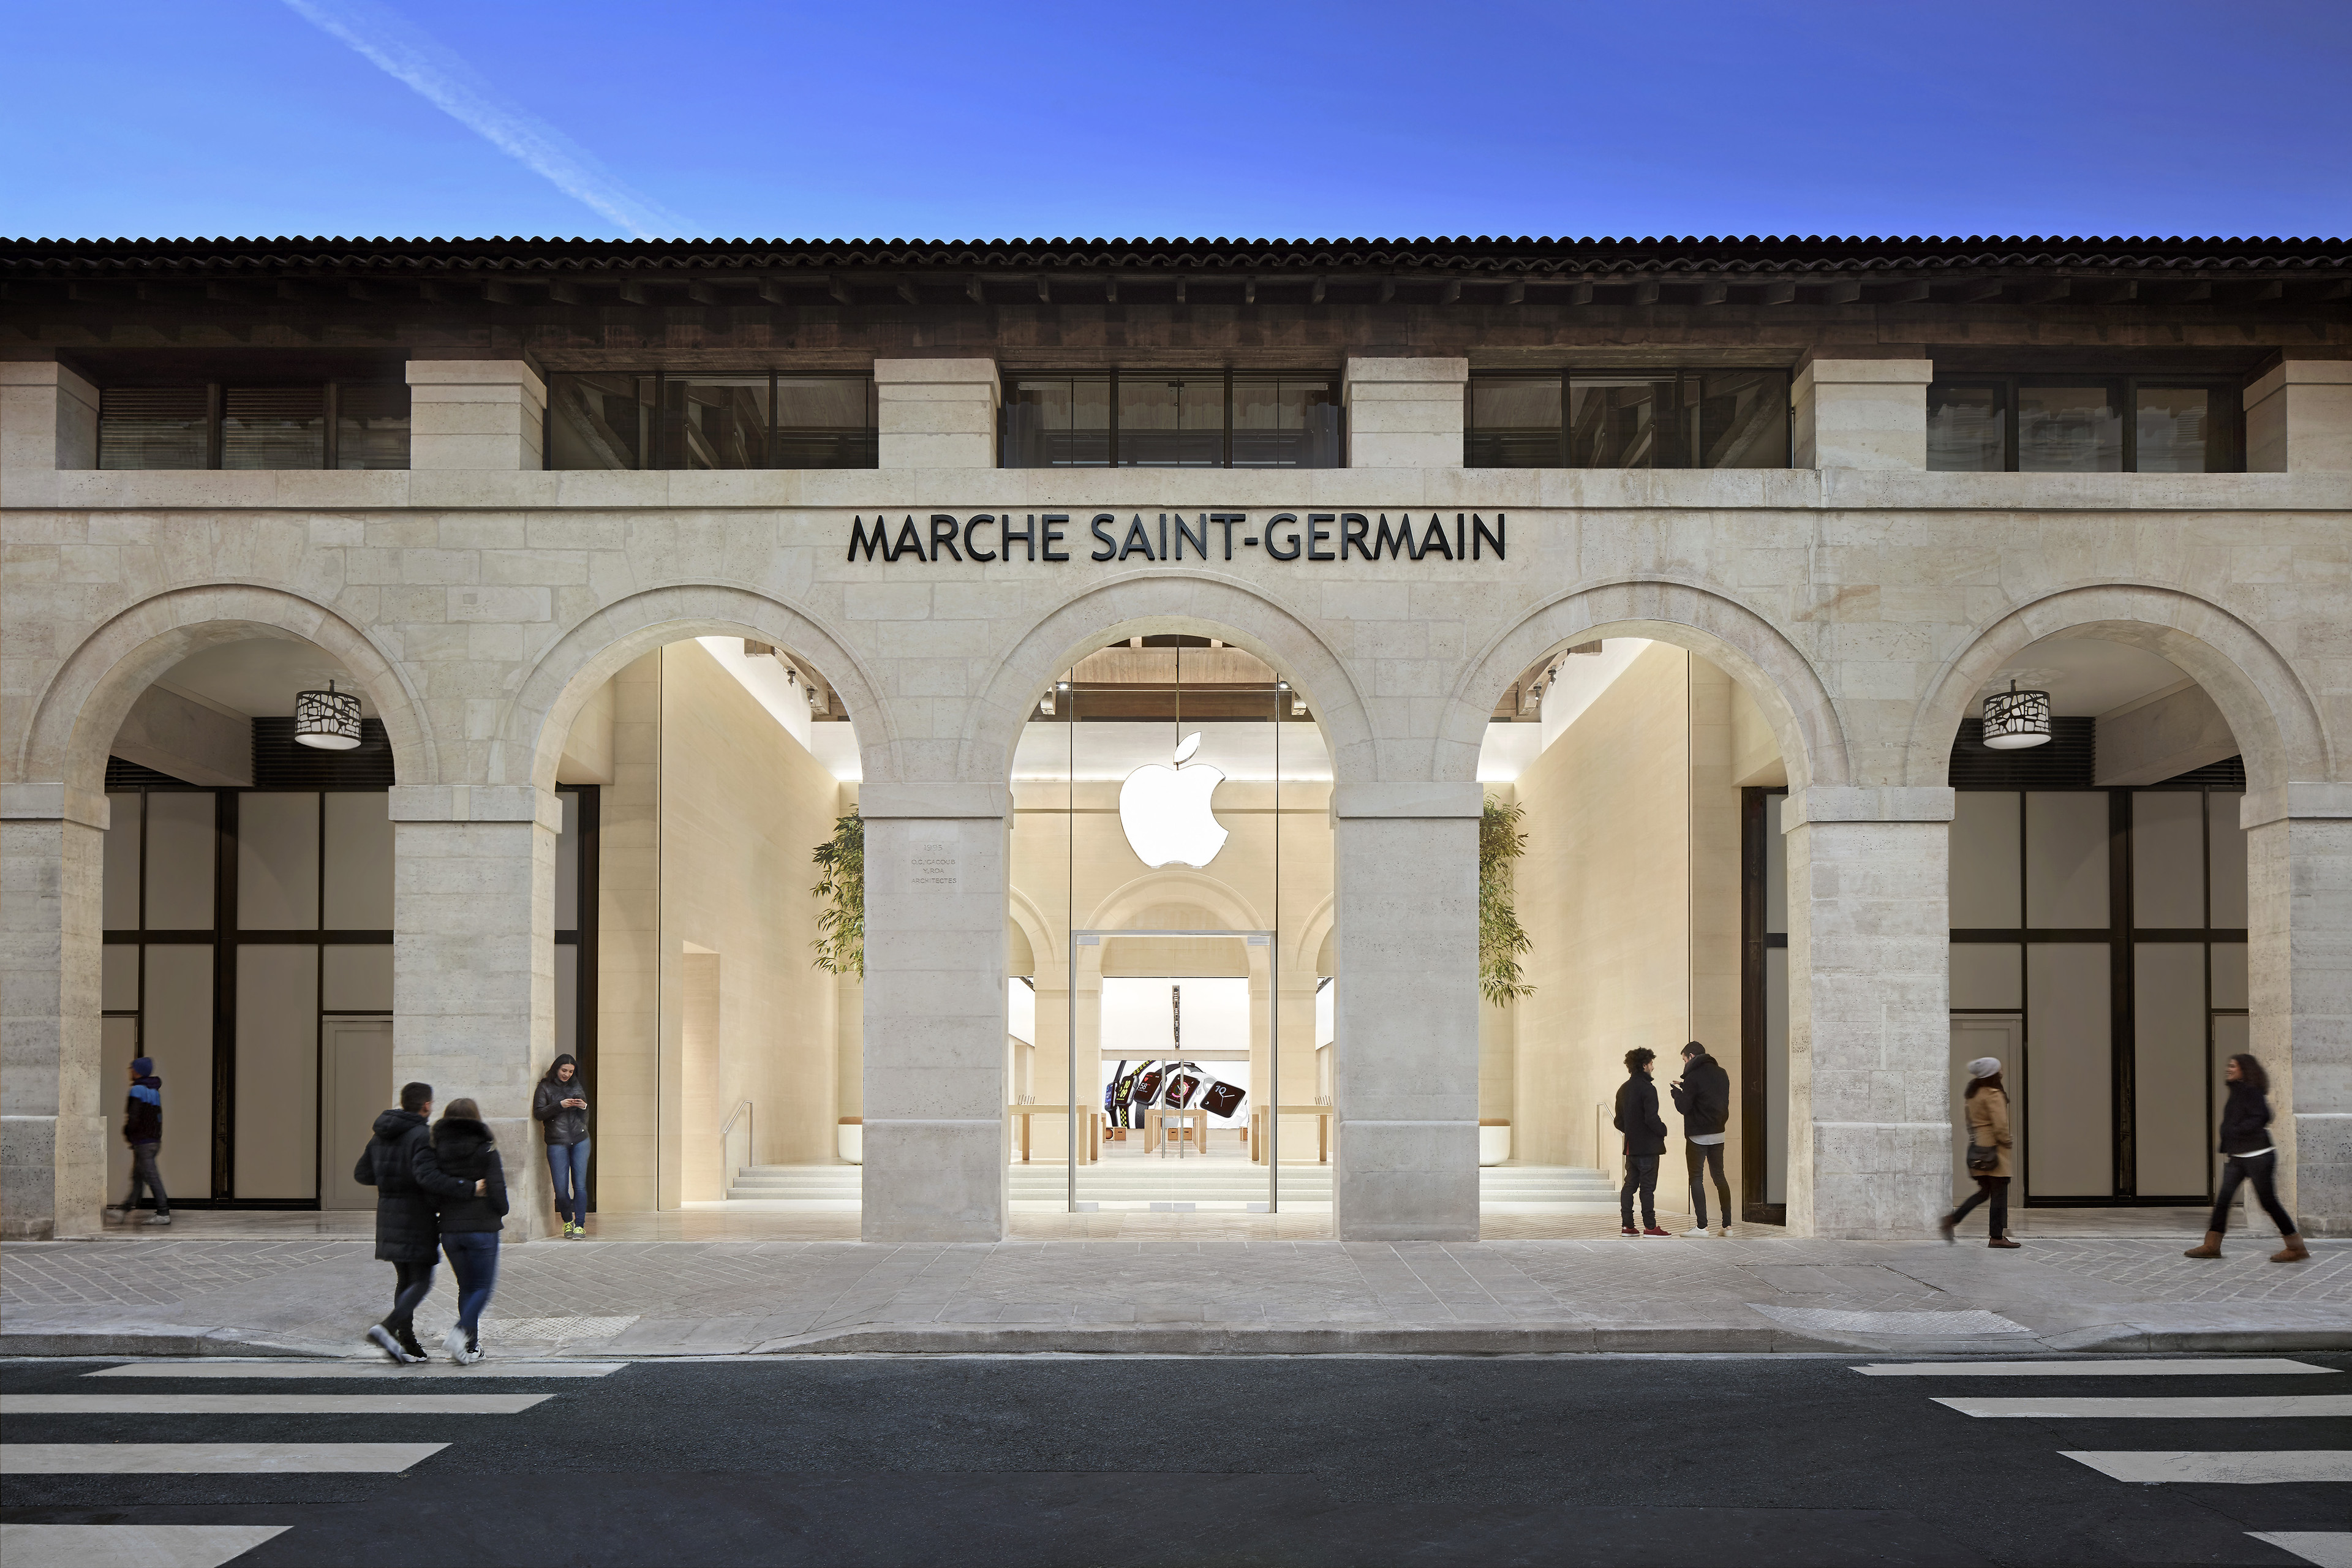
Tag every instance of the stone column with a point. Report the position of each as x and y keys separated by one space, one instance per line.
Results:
x=1862 y=413
x=473 y=963
x=52 y=1125
x=1870 y=1118
x=2299 y=962
x=1404 y=413
x=1407 y=1011
x=936 y=413
x=474 y=414
x=48 y=421
x=935 y=1015
x=2299 y=418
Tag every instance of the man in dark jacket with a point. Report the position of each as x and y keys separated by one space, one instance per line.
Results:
x=1703 y=1097
x=398 y=1164
x=1645 y=1139
x=142 y=1129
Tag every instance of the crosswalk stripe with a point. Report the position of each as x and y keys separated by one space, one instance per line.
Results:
x=2259 y=1466
x=2327 y=1548
x=2161 y=1408
x=131 y=1545
x=362 y=1369
x=268 y=1404
x=211 y=1459
x=2232 y=1368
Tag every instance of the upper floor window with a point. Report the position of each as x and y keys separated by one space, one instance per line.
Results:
x=2083 y=425
x=1172 y=420
x=619 y=420
x=1628 y=419
x=329 y=424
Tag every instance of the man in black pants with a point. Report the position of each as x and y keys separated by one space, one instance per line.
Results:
x=1645 y=1139
x=398 y=1164
x=1703 y=1097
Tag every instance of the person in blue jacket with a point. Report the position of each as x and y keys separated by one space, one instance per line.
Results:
x=142 y=1129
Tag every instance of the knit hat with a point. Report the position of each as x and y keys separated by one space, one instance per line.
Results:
x=143 y=1065
x=1984 y=1067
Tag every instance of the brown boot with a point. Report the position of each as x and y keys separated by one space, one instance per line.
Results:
x=2293 y=1252
x=2212 y=1248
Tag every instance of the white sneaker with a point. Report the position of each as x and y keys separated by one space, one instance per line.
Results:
x=454 y=1342
x=1698 y=1230
x=1723 y=1230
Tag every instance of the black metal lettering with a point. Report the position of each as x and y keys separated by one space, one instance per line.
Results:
x=1200 y=541
x=1163 y=536
x=858 y=540
x=1109 y=545
x=909 y=540
x=1271 y=524
x=1434 y=538
x=1137 y=538
x=1028 y=536
x=972 y=550
x=1353 y=527
x=1054 y=535
x=1315 y=536
x=1398 y=544
x=1460 y=552
x=1479 y=531
x=944 y=536
x=1225 y=520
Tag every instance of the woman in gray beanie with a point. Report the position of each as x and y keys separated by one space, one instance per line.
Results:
x=1989 y=1147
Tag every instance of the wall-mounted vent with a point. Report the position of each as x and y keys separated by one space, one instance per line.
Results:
x=279 y=763
x=2066 y=761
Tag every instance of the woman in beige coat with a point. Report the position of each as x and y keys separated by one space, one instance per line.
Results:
x=1988 y=1114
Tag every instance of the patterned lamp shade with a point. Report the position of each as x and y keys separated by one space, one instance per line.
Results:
x=329 y=720
x=2014 y=719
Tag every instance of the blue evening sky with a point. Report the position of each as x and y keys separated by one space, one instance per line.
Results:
x=902 y=117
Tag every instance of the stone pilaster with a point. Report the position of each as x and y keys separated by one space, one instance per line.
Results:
x=936 y=413
x=52 y=1128
x=1406 y=900
x=1869 y=1011
x=1405 y=412
x=2299 y=418
x=475 y=415
x=2299 y=958
x=1862 y=413
x=935 y=1011
x=473 y=978
x=48 y=422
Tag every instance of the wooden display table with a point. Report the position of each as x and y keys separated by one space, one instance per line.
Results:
x=1023 y=1113
x=1322 y=1114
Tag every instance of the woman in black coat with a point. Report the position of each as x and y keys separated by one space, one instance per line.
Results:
x=463 y=1148
x=560 y=1106
x=2251 y=1155
x=398 y=1164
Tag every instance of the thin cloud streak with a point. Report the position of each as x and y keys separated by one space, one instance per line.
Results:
x=443 y=80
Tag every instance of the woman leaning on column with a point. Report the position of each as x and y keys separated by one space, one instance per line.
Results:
x=560 y=1105
x=2249 y=1155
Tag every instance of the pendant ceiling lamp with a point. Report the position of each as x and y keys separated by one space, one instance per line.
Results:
x=2014 y=719
x=329 y=720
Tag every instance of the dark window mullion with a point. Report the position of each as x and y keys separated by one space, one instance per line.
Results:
x=2122 y=1033
x=225 y=841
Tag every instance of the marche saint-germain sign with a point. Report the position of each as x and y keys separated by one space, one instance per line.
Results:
x=1051 y=536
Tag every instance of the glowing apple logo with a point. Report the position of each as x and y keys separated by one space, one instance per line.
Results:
x=1165 y=810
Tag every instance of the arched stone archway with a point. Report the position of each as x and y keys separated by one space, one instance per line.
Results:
x=1786 y=687
x=52 y=854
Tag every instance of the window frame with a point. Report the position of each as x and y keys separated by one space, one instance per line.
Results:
x=2124 y=390
x=656 y=454
x=1226 y=376
x=215 y=411
x=1682 y=378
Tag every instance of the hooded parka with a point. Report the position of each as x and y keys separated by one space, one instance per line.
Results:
x=409 y=1185
x=466 y=1150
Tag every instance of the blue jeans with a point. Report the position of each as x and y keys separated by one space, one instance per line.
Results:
x=567 y=1167
x=474 y=1259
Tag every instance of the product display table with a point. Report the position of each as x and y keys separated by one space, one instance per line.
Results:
x=1322 y=1114
x=1023 y=1113
x=1192 y=1127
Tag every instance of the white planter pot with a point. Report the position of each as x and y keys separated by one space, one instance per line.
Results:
x=1494 y=1145
x=851 y=1141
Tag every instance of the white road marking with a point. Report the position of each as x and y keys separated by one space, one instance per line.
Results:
x=268 y=1404
x=323 y=1369
x=2220 y=1407
x=211 y=1459
x=2246 y=1468
x=2233 y=1368
x=130 y=1545
x=2329 y=1548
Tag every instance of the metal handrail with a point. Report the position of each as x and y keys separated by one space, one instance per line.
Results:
x=742 y=1109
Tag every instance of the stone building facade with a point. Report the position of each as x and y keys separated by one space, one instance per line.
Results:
x=1860 y=597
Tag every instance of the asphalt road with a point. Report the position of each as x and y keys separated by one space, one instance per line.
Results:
x=1294 y=1462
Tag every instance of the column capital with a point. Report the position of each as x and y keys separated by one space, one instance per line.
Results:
x=54 y=803
x=1867 y=802
x=1407 y=801
x=476 y=802
x=2300 y=801
x=933 y=802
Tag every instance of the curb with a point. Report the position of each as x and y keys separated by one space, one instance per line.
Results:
x=68 y=1343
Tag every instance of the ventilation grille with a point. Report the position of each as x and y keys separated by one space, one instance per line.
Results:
x=279 y=763
x=2229 y=773
x=2066 y=761
x=121 y=775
